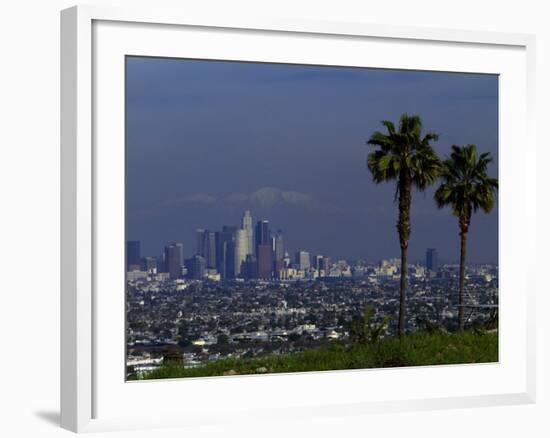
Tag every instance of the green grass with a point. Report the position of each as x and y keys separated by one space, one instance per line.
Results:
x=414 y=349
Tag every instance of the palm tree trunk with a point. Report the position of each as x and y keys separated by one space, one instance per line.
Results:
x=463 y=236
x=404 y=229
x=403 y=292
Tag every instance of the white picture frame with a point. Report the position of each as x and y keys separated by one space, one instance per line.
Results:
x=91 y=37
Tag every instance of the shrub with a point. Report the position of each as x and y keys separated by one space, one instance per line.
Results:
x=365 y=331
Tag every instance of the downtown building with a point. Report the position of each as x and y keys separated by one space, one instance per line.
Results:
x=225 y=251
x=432 y=262
x=246 y=225
x=133 y=255
x=234 y=252
x=206 y=247
x=302 y=260
x=264 y=250
x=173 y=260
x=241 y=250
x=196 y=267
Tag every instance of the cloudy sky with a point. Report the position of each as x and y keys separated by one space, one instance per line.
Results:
x=209 y=139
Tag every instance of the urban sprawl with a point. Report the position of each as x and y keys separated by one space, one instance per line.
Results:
x=242 y=295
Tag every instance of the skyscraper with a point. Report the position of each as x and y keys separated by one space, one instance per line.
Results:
x=302 y=260
x=230 y=263
x=172 y=262
x=262 y=233
x=206 y=246
x=431 y=259
x=201 y=242
x=179 y=246
x=265 y=261
x=278 y=246
x=318 y=262
x=211 y=250
x=246 y=225
x=241 y=249
x=196 y=266
x=221 y=249
x=325 y=266
x=250 y=267
x=225 y=251
x=149 y=264
x=133 y=255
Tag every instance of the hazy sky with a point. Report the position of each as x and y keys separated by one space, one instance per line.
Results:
x=209 y=139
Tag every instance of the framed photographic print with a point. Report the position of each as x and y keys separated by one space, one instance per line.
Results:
x=260 y=208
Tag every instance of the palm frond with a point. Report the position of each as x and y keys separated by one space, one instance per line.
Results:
x=466 y=186
x=409 y=151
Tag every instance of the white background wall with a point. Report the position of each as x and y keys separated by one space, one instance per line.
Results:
x=29 y=214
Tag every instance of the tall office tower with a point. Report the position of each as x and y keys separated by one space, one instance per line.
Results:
x=221 y=250
x=206 y=246
x=431 y=259
x=179 y=245
x=250 y=267
x=265 y=261
x=241 y=249
x=302 y=260
x=278 y=246
x=318 y=262
x=273 y=258
x=246 y=225
x=225 y=251
x=133 y=255
x=196 y=267
x=325 y=265
x=211 y=250
x=262 y=234
x=230 y=263
x=220 y=253
x=149 y=264
x=161 y=263
x=172 y=261
x=202 y=241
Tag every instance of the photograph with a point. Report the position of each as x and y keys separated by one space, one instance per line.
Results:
x=303 y=219
x=289 y=218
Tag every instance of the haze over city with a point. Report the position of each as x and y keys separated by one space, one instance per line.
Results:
x=207 y=140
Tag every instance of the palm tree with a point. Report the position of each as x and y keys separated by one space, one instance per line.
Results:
x=407 y=157
x=466 y=187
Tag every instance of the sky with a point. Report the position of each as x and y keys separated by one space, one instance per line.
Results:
x=206 y=140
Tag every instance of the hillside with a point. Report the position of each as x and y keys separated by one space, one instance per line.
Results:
x=421 y=348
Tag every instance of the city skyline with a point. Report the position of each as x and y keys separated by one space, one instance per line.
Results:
x=207 y=243
x=302 y=165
